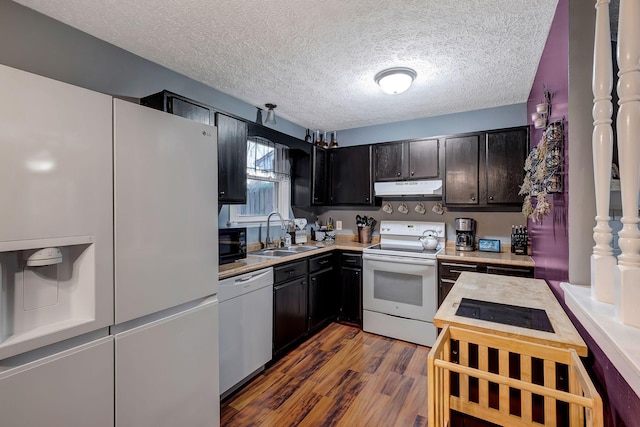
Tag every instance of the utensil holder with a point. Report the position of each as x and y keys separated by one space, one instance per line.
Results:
x=364 y=234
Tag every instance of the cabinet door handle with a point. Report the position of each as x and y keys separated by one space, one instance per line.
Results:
x=490 y=197
x=366 y=200
x=412 y=173
x=473 y=199
x=451 y=264
x=323 y=262
x=398 y=173
x=222 y=193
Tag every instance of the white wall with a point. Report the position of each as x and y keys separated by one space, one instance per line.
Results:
x=582 y=210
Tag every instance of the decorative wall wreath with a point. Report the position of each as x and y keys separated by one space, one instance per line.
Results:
x=543 y=173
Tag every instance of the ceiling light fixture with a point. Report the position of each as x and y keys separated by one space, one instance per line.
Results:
x=271 y=115
x=395 y=80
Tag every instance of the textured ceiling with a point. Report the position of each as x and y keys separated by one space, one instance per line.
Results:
x=316 y=59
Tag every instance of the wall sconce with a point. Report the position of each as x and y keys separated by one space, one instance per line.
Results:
x=543 y=111
x=271 y=115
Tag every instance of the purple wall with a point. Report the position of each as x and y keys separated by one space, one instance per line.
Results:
x=549 y=239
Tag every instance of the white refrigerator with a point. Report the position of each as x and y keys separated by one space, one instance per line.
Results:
x=108 y=261
x=166 y=269
x=56 y=253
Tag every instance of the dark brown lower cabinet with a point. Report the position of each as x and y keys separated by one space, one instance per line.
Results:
x=323 y=298
x=448 y=272
x=289 y=312
x=351 y=285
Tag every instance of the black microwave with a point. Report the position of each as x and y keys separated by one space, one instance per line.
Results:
x=232 y=244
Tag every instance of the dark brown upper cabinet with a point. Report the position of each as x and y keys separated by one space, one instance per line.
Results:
x=406 y=160
x=461 y=161
x=319 y=181
x=506 y=153
x=310 y=177
x=232 y=160
x=232 y=141
x=351 y=176
x=180 y=106
x=485 y=168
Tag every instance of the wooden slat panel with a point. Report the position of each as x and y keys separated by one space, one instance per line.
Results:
x=503 y=370
x=446 y=381
x=488 y=414
x=483 y=365
x=576 y=414
x=515 y=346
x=525 y=375
x=435 y=396
x=589 y=390
x=464 y=361
x=549 y=403
x=512 y=382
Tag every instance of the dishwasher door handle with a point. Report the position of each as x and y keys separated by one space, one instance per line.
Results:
x=245 y=279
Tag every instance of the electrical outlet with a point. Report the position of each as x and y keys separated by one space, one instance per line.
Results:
x=338 y=225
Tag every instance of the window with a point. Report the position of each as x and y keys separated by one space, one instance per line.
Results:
x=268 y=182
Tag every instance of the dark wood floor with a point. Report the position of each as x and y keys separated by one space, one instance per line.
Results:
x=340 y=377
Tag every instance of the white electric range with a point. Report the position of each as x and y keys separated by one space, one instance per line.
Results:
x=399 y=288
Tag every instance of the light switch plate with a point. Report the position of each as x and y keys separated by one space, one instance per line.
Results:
x=338 y=225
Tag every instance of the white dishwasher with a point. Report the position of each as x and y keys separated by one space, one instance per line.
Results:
x=246 y=327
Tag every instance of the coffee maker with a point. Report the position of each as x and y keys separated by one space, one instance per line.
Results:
x=465 y=234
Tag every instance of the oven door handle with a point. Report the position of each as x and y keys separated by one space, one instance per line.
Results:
x=399 y=259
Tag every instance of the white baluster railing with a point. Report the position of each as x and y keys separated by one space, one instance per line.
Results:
x=627 y=291
x=603 y=263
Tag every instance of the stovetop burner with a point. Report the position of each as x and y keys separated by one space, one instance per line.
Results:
x=524 y=317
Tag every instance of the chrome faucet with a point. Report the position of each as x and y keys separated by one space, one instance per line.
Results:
x=269 y=240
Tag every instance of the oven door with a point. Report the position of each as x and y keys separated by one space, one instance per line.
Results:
x=400 y=286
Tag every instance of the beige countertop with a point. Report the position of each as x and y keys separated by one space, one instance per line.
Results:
x=350 y=243
x=533 y=293
x=252 y=262
x=506 y=258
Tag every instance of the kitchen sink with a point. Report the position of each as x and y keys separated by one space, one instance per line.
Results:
x=280 y=252
x=301 y=248
x=276 y=253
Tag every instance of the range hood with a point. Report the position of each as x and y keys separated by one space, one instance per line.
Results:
x=431 y=187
